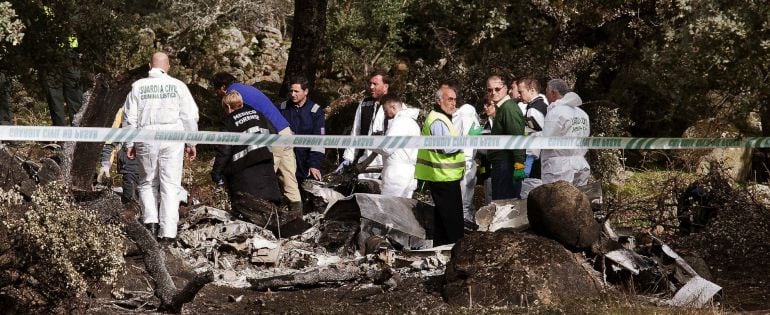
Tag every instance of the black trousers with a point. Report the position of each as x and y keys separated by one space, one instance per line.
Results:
x=448 y=212
x=62 y=85
x=258 y=180
x=130 y=170
x=6 y=115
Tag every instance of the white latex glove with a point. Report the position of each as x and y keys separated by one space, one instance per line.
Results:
x=104 y=175
x=343 y=165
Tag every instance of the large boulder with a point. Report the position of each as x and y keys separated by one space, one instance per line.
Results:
x=736 y=161
x=562 y=212
x=230 y=39
x=507 y=268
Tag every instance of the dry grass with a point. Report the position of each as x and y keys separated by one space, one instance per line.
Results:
x=647 y=200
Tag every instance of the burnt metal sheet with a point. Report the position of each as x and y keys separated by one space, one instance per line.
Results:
x=696 y=293
x=406 y=222
x=394 y=213
x=630 y=260
x=503 y=214
x=318 y=189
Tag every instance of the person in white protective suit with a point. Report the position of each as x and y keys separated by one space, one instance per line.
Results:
x=466 y=121
x=160 y=102
x=398 y=166
x=565 y=119
x=369 y=120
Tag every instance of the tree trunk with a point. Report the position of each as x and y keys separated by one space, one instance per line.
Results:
x=309 y=28
x=762 y=157
x=102 y=103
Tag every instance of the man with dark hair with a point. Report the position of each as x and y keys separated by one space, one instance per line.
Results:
x=305 y=117
x=369 y=120
x=285 y=163
x=507 y=165
x=442 y=169
x=513 y=92
x=534 y=117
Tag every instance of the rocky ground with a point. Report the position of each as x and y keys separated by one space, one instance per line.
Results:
x=484 y=277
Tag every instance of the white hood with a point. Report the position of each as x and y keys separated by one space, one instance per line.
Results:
x=571 y=99
x=465 y=110
x=566 y=119
x=410 y=112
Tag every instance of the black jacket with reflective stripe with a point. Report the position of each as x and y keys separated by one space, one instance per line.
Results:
x=234 y=158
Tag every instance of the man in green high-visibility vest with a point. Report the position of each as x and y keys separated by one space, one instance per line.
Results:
x=442 y=169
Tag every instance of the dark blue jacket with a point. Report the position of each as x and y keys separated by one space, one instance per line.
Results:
x=306 y=120
x=255 y=99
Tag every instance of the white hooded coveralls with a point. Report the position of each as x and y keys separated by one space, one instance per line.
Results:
x=465 y=118
x=398 y=169
x=566 y=119
x=160 y=102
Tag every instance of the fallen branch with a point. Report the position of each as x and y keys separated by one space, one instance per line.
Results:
x=171 y=298
x=330 y=275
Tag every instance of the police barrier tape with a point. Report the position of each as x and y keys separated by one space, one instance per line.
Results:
x=91 y=134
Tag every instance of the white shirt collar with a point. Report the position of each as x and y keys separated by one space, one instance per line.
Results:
x=157 y=72
x=500 y=103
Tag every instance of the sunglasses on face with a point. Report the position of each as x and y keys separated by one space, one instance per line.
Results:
x=497 y=89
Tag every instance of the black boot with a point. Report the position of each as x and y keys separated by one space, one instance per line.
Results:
x=166 y=241
x=296 y=208
x=153 y=228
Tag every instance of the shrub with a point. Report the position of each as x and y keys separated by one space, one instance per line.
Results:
x=57 y=247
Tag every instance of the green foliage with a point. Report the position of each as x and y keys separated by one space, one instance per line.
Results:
x=665 y=64
x=465 y=42
x=363 y=35
x=58 y=246
x=116 y=36
x=11 y=29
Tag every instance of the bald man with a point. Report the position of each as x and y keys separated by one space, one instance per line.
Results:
x=160 y=102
